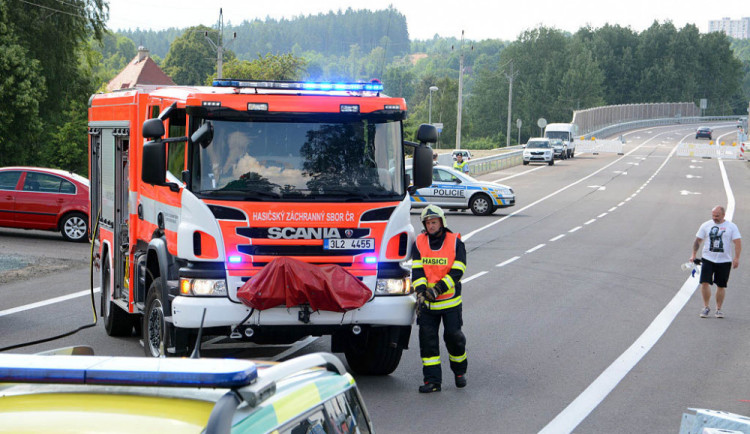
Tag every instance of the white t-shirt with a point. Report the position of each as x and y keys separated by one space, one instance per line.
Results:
x=718 y=240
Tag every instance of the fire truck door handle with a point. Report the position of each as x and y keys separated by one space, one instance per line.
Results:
x=140 y=212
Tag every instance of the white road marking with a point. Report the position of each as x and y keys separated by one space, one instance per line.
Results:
x=469 y=279
x=685 y=192
x=535 y=248
x=590 y=221
x=519 y=174
x=621 y=204
x=612 y=209
x=598 y=187
x=693 y=176
x=601 y=215
x=47 y=302
x=575 y=229
x=557 y=237
x=489 y=225
x=503 y=264
x=597 y=391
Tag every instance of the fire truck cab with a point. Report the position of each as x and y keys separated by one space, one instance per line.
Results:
x=197 y=189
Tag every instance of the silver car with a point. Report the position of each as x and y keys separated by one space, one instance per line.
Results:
x=560 y=148
x=451 y=189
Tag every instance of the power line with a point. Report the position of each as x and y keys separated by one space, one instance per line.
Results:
x=54 y=10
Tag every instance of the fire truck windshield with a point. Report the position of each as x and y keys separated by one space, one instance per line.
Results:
x=295 y=160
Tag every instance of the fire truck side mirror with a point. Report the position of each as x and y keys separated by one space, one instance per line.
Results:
x=203 y=135
x=154 y=164
x=153 y=129
x=427 y=134
x=422 y=166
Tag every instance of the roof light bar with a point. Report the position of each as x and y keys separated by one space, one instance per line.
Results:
x=127 y=371
x=301 y=85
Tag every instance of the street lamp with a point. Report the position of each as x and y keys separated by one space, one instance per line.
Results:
x=432 y=89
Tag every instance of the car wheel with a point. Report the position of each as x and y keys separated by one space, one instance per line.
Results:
x=572 y=154
x=373 y=354
x=117 y=322
x=481 y=204
x=552 y=162
x=525 y=163
x=74 y=227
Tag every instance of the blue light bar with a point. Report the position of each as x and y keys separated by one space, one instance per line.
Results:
x=301 y=85
x=371 y=260
x=235 y=259
x=126 y=371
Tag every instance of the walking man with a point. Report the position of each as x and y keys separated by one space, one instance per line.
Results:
x=438 y=262
x=720 y=236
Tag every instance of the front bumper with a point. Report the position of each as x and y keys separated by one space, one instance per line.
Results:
x=221 y=312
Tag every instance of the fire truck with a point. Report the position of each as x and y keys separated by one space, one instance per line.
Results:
x=195 y=190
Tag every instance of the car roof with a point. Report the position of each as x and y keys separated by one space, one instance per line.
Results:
x=59 y=172
x=172 y=395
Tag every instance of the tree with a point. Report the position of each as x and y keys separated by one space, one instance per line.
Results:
x=191 y=59
x=269 y=67
x=21 y=90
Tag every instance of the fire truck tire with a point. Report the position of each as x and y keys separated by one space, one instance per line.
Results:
x=75 y=227
x=154 y=328
x=373 y=355
x=117 y=322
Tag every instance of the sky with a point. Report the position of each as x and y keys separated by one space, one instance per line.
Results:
x=479 y=19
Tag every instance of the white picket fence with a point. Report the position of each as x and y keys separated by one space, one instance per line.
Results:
x=598 y=146
x=706 y=150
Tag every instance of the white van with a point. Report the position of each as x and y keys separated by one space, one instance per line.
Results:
x=566 y=132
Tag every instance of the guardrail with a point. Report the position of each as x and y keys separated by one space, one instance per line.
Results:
x=632 y=125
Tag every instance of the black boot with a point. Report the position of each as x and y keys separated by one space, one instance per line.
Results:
x=461 y=381
x=429 y=388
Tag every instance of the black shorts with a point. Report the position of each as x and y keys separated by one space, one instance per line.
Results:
x=713 y=272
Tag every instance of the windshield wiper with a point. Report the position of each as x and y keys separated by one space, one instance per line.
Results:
x=244 y=194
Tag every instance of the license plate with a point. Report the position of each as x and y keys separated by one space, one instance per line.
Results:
x=349 y=244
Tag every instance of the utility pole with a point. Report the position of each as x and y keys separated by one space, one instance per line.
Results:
x=460 y=91
x=510 y=76
x=219 y=46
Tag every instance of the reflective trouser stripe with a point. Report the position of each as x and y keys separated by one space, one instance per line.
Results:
x=452 y=302
x=430 y=361
x=457 y=359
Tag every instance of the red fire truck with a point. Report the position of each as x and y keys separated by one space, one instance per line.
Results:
x=197 y=189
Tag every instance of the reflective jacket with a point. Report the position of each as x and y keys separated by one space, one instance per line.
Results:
x=461 y=167
x=436 y=259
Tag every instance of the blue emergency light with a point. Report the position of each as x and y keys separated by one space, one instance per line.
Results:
x=126 y=371
x=373 y=86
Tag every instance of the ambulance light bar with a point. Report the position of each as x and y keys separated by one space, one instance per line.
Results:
x=126 y=371
x=374 y=86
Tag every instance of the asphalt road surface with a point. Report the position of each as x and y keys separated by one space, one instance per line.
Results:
x=577 y=314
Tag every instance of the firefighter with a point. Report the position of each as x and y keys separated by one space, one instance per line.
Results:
x=439 y=261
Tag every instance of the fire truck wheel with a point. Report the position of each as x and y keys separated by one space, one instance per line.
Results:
x=155 y=335
x=372 y=354
x=74 y=227
x=117 y=322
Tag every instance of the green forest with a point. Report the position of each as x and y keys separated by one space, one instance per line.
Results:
x=54 y=55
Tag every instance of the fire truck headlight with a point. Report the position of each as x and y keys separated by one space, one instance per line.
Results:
x=393 y=286
x=203 y=287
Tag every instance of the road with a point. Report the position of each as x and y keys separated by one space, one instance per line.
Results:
x=577 y=315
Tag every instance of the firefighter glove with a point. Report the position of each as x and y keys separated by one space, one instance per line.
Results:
x=441 y=287
x=431 y=294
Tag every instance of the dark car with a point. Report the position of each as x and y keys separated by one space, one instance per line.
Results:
x=46 y=199
x=704 y=132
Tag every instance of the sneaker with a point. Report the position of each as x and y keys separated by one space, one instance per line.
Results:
x=429 y=388
x=461 y=381
x=705 y=311
x=719 y=314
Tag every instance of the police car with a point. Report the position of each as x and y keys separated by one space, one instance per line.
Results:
x=454 y=190
x=86 y=393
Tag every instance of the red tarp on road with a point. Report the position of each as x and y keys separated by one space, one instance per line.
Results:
x=290 y=282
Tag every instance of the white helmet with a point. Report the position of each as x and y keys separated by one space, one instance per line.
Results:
x=433 y=211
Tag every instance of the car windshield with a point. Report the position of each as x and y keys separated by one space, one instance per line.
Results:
x=304 y=159
x=562 y=135
x=538 y=145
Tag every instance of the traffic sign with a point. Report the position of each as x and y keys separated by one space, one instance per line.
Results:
x=541 y=123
